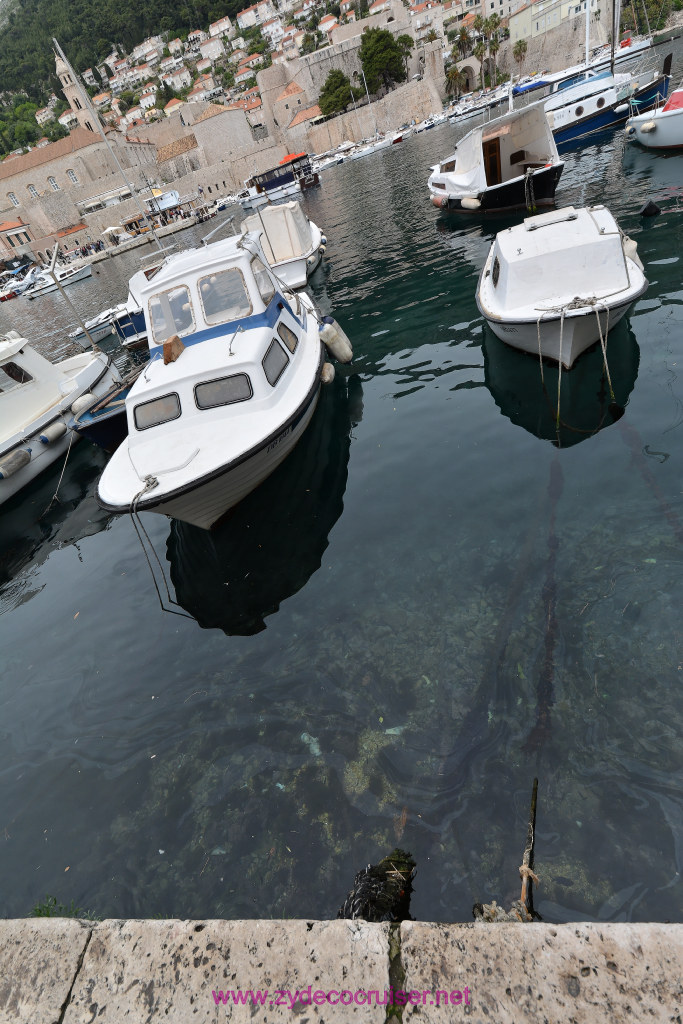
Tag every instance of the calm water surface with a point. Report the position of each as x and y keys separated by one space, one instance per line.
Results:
x=435 y=599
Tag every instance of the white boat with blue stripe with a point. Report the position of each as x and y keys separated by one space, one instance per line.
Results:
x=232 y=382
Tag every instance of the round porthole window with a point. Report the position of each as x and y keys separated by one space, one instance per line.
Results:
x=495 y=273
x=601 y=102
x=579 y=111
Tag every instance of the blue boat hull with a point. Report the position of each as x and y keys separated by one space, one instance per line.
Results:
x=611 y=117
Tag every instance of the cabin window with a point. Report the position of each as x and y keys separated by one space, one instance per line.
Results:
x=274 y=362
x=224 y=391
x=224 y=296
x=11 y=374
x=290 y=339
x=579 y=111
x=159 y=410
x=448 y=167
x=495 y=274
x=601 y=102
x=171 y=313
x=263 y=280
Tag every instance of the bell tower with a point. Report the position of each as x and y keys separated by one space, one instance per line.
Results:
x=72 y=94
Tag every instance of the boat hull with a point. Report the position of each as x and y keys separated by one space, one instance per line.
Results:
x=610 y=116
x=660 y=130
x=97 y=377
x=515 y=194
x=52 y=286
x=560 y=341
x=206 y=501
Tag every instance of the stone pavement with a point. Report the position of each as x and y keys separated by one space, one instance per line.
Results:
x=64 y=971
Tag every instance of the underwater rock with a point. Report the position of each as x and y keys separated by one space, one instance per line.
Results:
x=381 y=892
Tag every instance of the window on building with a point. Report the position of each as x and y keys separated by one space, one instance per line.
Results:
x=77 y=103
x=32 y=191
x=53 y=184
x=13 y=199
x=89 y=126
x=72 y=176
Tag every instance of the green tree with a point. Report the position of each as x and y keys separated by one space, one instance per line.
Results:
x=336 y=93
x=406 y=44
x=519 y=52
x=455 y=81
x=479 y=52
x=464 y=41
x=432 y=36
x=494 y=47
x=381 y=58
x=308 y=43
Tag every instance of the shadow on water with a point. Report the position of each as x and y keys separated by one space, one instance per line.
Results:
x=235 y=576
x=585 y=404
x=34 y=522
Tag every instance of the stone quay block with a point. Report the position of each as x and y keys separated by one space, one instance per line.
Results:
x=540 y=973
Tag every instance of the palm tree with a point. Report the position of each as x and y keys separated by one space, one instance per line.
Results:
x=479 y=52
x=494 y=47
x=464 y=41
x=519 y=52
x=432 y=36
x=478 y=24
x=455 y=80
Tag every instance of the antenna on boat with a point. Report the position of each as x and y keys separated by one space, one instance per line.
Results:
x=205 y=239
x=91 y=110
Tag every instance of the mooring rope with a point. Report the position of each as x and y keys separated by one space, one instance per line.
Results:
x=150 y=482
x=59 y=482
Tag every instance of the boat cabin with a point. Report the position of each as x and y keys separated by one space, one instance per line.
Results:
x=296 y=167
x=501 y=150
x=28 y=381
x=238 y=333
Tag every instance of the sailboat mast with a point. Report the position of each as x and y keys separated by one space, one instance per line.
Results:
x=588 y=31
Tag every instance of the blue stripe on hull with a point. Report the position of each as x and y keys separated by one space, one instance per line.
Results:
x=608 y=117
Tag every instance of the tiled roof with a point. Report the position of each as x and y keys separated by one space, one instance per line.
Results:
x=9 y=224
x=176 y=148
x=305 y=115
x=211 y=111
x=291 y=90
x=79 y=138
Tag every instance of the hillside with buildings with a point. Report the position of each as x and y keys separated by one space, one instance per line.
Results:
x=203 y=110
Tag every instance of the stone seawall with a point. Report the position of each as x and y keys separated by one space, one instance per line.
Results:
x=65 y=971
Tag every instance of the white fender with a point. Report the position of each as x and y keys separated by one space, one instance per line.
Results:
x=83 y=402
x=53 y=432
x=336 y=341
x=649 y=126
x=327 y=375
x=13 y=462
x=470 y=203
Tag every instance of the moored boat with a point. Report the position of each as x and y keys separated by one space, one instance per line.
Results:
x=509 y=163
x=232 y=383
x=292 y=243
x=558 y=282
x=661 y=128
x=36 y=403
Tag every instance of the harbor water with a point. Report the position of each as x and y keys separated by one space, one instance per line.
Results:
x=447 y=590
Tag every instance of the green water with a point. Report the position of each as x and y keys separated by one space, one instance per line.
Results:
x=435 y=599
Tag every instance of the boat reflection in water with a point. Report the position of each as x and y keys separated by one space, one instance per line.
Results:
x=586 y=404
x=237 y=574
x=34 y=523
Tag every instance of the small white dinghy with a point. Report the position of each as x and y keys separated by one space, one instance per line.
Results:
x=558 y=282
x=292 y=243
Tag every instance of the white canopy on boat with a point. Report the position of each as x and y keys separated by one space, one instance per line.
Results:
x=285 y=231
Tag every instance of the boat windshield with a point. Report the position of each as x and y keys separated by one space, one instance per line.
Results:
x=171 y=313
x=224 y=296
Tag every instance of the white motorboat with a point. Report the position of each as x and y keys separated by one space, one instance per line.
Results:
x=661 y=128
x=293 y=244
x=47 y=280
x=232 y=382
x=558 y=282
x=509 y=163
x=293 y=174
x=36 y=400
